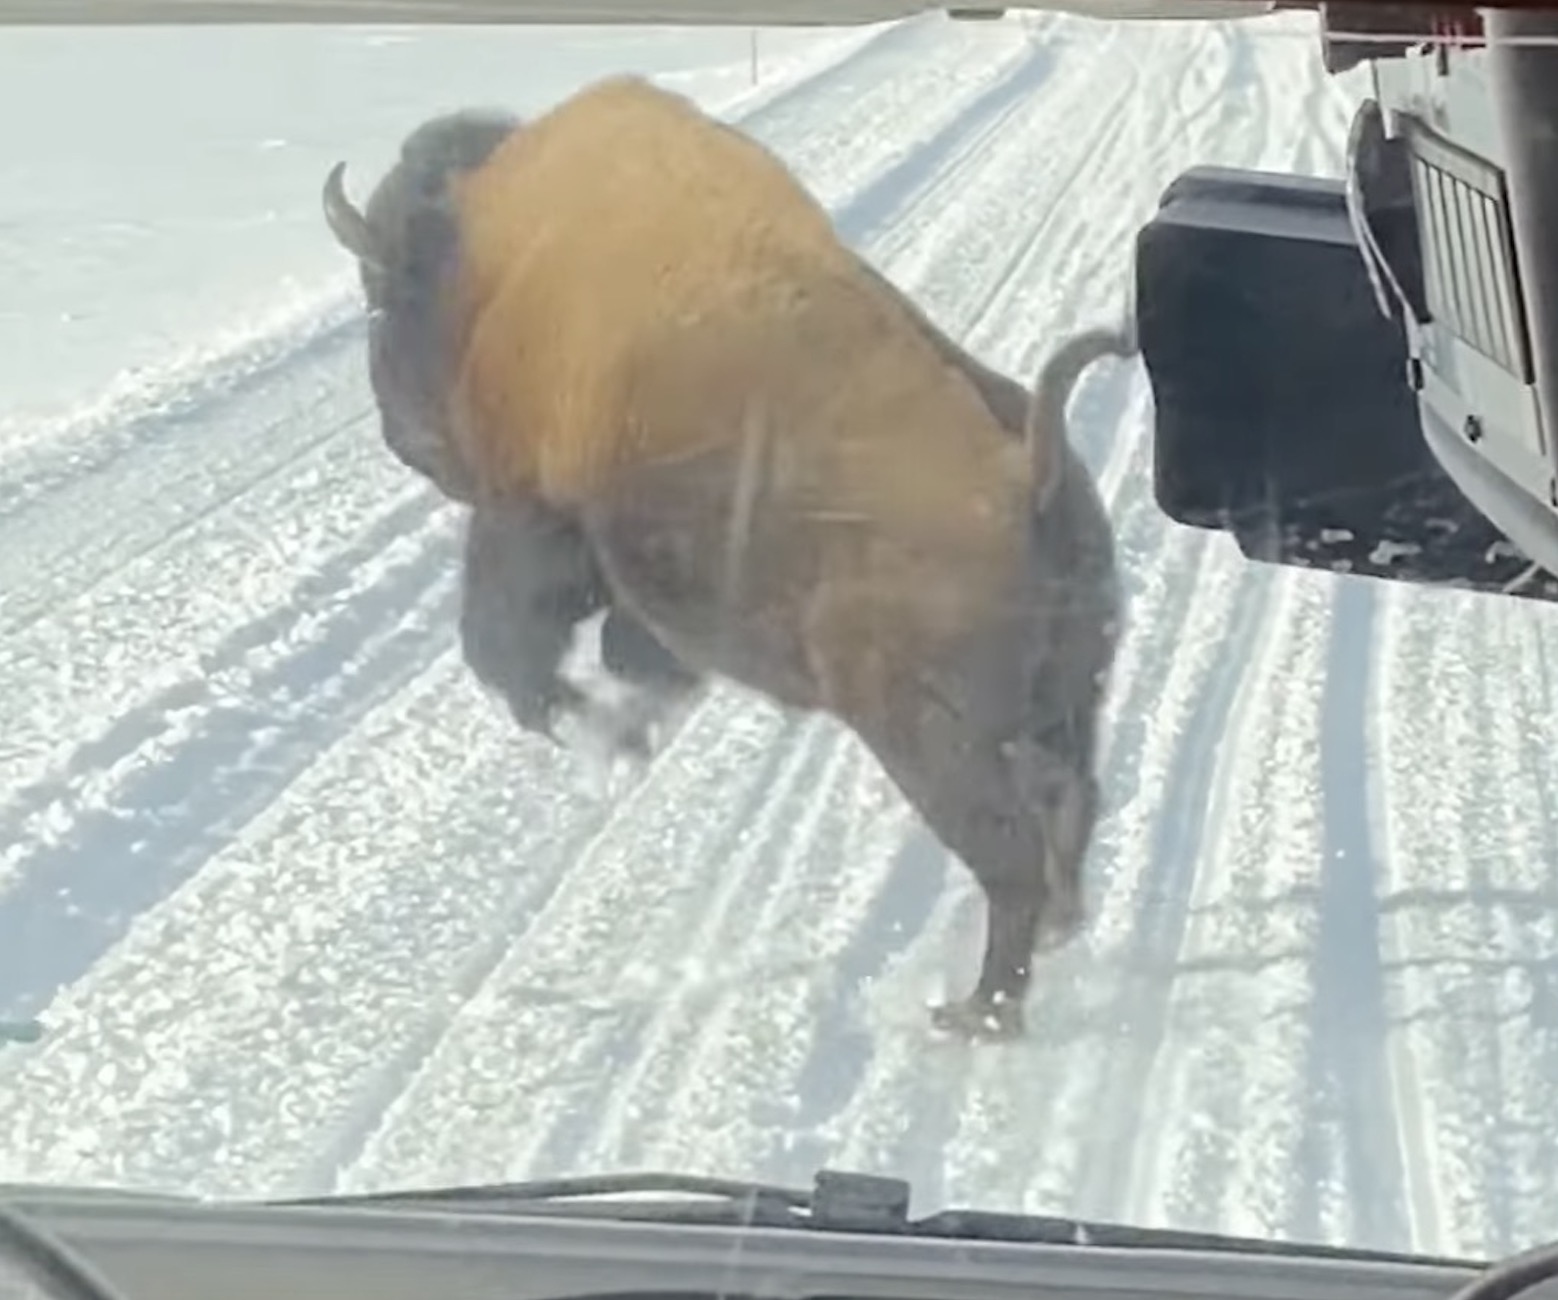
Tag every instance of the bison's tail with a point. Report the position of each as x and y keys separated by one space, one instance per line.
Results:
x=1045 y=429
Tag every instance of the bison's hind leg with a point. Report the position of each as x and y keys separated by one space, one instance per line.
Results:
x=993 y=1011
x=629 y=651
x=1024 y=835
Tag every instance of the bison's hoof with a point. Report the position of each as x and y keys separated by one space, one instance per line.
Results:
x=980 y=1019
x=538 y=721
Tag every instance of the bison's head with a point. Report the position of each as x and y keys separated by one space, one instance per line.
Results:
x=407 y=246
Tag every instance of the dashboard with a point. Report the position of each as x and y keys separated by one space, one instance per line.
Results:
x=173 y=1250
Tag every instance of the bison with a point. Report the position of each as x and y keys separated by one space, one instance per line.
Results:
x=630 y=340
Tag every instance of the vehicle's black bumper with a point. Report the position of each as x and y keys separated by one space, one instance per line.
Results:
x=1284 y=409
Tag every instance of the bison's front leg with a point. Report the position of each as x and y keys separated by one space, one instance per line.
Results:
x=531 y=577
x=528 y=581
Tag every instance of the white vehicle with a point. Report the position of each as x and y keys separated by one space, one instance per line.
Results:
x=1390 y=416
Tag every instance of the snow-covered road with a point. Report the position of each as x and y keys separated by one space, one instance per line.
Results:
x=303 y=912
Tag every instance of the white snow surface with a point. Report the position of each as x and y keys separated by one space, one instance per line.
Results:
x=302 y=911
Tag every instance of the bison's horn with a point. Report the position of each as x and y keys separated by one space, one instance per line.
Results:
x=347 y=224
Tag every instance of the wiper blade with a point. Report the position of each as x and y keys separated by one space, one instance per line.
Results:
x=547 y=1189
x=724 y=1200
x=838 y=1202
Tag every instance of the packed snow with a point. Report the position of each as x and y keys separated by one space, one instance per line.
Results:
x=301 y=911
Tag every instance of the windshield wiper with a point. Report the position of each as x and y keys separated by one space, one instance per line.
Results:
x=722 y=1200
x=838 y=1202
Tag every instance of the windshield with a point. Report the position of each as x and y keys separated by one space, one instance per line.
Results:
x=296 y=896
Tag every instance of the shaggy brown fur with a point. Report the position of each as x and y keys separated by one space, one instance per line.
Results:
x=645 y=326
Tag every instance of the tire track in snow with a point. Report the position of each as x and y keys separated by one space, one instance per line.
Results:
x=273 y=1046
x=667 y=1040
x=939 y=242
x=116 y=510
x=1467 y=906
x=39 y=477
x=1358 y=1164
x=161 y=605
x=912 y=82
x=1351 y=1105
x=562 y=1013
x=770 y=1020
x=1455 y=864
x=1243 y=979
x=934 y=166
x=1418 y=1159
x=219 y=751
x=1019 y=275
x=1356 y=1185
x=1190 y=787
x=961 y=254
x=1348 y=1156
x=1138 y=1019
x=783 y=758
x=667 y=1056
x=1523 y=889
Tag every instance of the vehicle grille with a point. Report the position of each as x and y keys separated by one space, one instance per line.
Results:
x=1469 y=266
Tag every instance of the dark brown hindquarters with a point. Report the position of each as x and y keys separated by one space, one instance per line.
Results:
x=1013 y=791
x=992 y=744
x=991 y=739
x=1020 y=808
